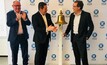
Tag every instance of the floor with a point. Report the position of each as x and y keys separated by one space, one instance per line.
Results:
x=4 y=61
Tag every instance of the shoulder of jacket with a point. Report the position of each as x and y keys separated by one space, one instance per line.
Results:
x=10 y=12
x=85 y=12
x=47 y=13
x=35 y=14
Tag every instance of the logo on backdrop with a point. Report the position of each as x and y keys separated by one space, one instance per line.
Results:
x=102 y=24
x=89 y=2
x=33 y=46
x=26 y=11
x=67 y=12
x=93 y=56
x=106 y=35
x=67 y=37
x=19 y=0
x=106 y=57
x=46 y=1
x=53 y=36
x=101 y=46
x=60 y=2
x=96 y=12
x=104 y=2
x=88 y=46
x=32 y=2
x=74 y=0
x=94 y=36
x=67 y=56
x=53 y=56
x=53 y=12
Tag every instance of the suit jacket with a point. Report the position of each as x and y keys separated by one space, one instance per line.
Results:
x=85 y=28
x=40 y=34
x=13 y=24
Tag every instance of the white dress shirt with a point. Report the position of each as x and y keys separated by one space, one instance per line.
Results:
x=76 y=23
x=20 y=30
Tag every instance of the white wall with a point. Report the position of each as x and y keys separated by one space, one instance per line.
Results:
x=3 y=35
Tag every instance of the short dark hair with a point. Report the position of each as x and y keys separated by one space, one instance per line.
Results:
x=79 y=4
x=41 y=5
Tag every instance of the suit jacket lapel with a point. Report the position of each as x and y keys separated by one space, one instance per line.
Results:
x=72 y=19
x=41 y=19
x=14 y=14
x=47 y=20
x=81 y=21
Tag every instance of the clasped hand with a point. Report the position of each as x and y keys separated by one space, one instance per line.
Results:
x=52 y=28
x=19 y=16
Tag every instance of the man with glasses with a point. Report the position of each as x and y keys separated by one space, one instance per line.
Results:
x=81 y=27
x=17 y=20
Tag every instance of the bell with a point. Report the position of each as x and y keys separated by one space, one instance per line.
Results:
x=61 y=19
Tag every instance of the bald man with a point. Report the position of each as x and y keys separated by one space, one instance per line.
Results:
x=17 y=20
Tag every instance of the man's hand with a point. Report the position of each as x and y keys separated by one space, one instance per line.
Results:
x=18 y=16
x=55 y=29
x=23 y=16
x=50 y=28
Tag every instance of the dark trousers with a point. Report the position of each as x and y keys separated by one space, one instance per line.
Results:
x=78 y=50
x=15 y=47
x=41 y=53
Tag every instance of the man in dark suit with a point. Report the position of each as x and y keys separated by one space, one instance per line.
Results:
x=18 y=35
x=43 y=26
x=81 y=27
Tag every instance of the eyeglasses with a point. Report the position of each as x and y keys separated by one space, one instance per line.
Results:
x=17 y=5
